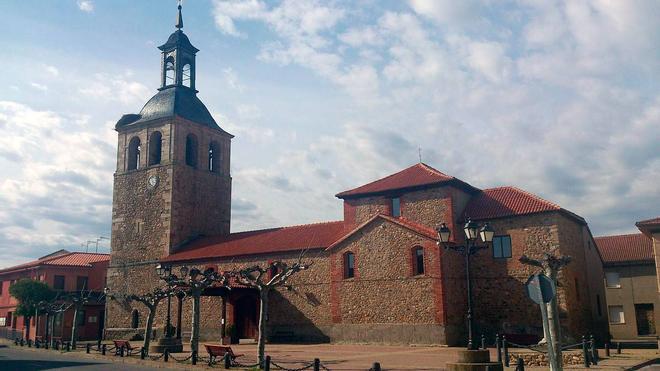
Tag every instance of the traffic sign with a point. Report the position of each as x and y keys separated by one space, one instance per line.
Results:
x=540 y=288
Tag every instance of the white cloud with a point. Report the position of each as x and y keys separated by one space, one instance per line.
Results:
x=38 y=86
x=59 y=191
x=86 y=6
x=116 y=88
x=52 y=70
x=231 y=79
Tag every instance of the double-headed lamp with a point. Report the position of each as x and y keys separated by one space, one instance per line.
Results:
x=486 y=233
x=471 y=230
x=443 y=233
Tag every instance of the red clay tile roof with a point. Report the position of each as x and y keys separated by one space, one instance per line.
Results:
x=78 y=259
x=649 y=222
x=75 y=259
x=625 y=248
x=507 y=201
x=299 y=237
x=408 y=224
x=414 y=176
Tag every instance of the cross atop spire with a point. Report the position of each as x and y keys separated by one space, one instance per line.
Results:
x=179 y=18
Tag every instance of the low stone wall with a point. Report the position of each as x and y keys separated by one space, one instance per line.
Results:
x=541 y=359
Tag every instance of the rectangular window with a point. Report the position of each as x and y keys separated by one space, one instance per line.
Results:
x=419 y=260
x=81 y=318
x=396 y=207
x=81 y=283
x=349 y=265
x=1 y=287
x=58 y=283
x=501 y=247
x=616 y=314
x=612 y=280
x=3 y=321
x=598 y=307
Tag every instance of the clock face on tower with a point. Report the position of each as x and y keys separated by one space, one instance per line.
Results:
x=152 y=182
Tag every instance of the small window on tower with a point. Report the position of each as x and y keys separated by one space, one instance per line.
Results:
x=169 y=71
x=186 y=75
x=134 y=154
x=191 y=150
x=418 y=260
x=349 y=265
x=214 y=157
x=155 y=143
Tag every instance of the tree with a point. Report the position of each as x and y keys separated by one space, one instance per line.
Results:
x=29 y=293
x=551 y=265
x=150 y=300
x=193 y=282
x=78 y=300
x=255 y=277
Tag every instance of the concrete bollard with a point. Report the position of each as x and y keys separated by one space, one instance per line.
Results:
x=194 y=357
x=520 y=364
x=103 y=349
x=166 y=355
x=375 y=367
x=88 y=348
x=267 y=363
x=618 y=347
x=317 y=364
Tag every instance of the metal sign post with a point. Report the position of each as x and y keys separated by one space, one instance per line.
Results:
x=541 y=290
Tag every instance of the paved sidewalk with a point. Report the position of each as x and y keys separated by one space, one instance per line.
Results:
x=348 y=357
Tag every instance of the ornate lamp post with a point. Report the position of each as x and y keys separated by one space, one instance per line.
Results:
x=472 y=231
x=165 y=273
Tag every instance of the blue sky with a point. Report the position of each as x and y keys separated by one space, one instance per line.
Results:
x=558 y=98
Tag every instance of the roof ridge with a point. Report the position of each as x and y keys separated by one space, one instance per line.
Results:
x=620 y=235
x=284 y=227
x=433 y=170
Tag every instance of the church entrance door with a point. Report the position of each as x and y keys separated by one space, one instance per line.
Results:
x=247 y=319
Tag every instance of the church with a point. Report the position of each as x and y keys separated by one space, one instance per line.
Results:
x=378 y=275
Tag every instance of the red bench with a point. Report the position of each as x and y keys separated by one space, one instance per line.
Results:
x=123 y=344
x=216 y=351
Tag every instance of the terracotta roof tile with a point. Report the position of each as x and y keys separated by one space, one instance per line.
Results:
x=76 y=259
x=300 y=237
x=506 y=201
x=625 y=248
x=649 y=222
x=414 y=176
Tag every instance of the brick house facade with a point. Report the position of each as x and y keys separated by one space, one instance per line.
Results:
x=63 y=271
x=177 y=212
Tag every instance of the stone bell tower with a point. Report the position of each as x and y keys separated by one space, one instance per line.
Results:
x=172 y=183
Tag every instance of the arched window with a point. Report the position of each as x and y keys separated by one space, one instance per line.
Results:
x=214 y=157
x=418 y=260
x=134 y=154
x=186 y=75
x=135 y=318
x=169 y=71
x=191 y=150
x=349 y=265
x=155 y=143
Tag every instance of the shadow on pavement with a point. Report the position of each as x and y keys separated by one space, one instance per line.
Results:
x=29 y=365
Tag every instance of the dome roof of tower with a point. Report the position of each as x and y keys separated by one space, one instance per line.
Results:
x=178 y=38
x=170 y=102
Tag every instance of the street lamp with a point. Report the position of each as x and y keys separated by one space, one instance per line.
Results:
x=472 y=232
x=165 y=273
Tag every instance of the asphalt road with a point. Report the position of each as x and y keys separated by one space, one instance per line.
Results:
x=27 y=360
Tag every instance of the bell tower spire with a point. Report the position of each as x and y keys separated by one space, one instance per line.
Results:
x=179 y=18
x=178 y=63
